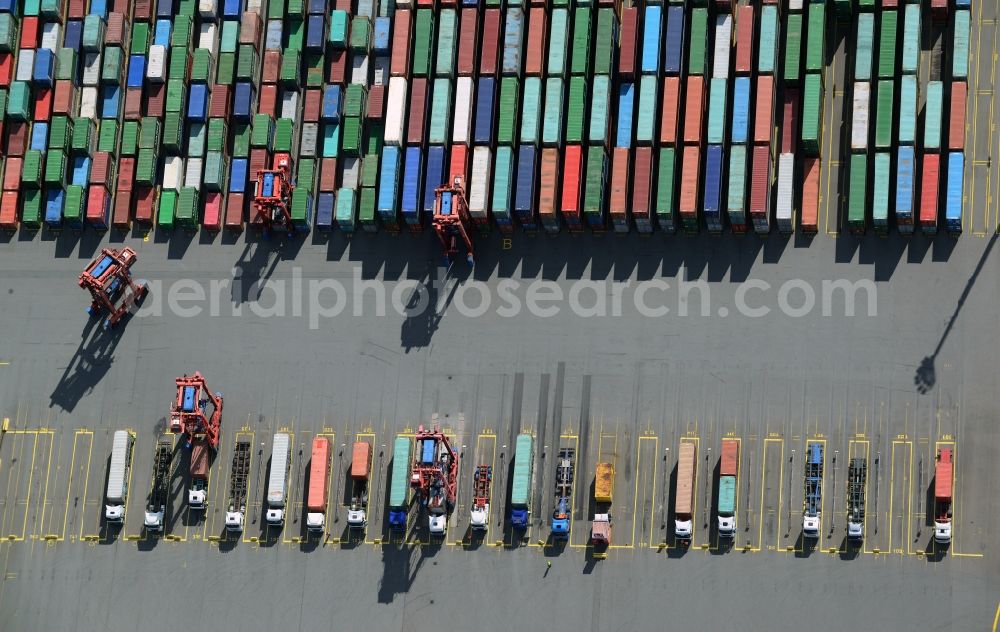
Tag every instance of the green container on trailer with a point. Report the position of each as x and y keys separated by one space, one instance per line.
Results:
x=60 y=132
x=576 y=108
x=201 y=65
x=880 y=193
x=145 y=167
x=301 y=206
x=216 y=170
x=306 y=176
x=276 y=9
x=350 y=132
x=241 y=139
x=225 y=69
x=140 y=38
x=19 y=101
x=717 y=110
x=606 y=41
x=444 y=64
x=766 y=56
x=816 y=38
x=596 y=175
x=217 y=134
x=531 y=111
x=168 y=208
x=296 y=32
x=73 y=204
x=907 y=109
x=665 y=188
x=176 y=92
x=580 y=60
x=366 y=210
x=8 y=32
x=507 y=114
x=130 y=138
x=373 y=138
x=66 y=64
x=887 y=46
x=727 y=495
x=339 y=28
x=960 y=47
x=858 y=193
x=345 y=213
x=646 y=113
x=503 y=169
x=423 y=36
x=354 y=100
x=361 y=30
x=911 y=39
x=314 y=70
x=262 y=133
x=55 y=168
x=112 y=62
x=552 y=118
x=884 y=121
x=400 y=487
x=524 y=456
x=440 y=123
x=793 y=48
x=229 y=37
x=183 y=29
x=369 y=171
x=84 y=139
x=558 y=43
x=290 y=64
x=698 y=41
x=600 y=111
x=173 y=132
x=246 y=63
x=737 y=189
x=149 y=133
x=812 y=113
x=331 y=140
x=107 y=137
x=186 y=214
x=863 y=55
x=31 y=212
x=932 y=114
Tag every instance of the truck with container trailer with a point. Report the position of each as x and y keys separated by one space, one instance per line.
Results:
x=238 y=480
x=277 y=481
x=944 y=471
x=728 y=471
x=604 y=485
x=482 y=482
x=159 y=495
x=118 y=477
x=684 y=493
x=434 y=476
x=361 y=468
x=399 y=506
x=520 y=495
x=198 y=473
x=564 y=493
x=319 y=484
x=857 y=476
x=812 y=498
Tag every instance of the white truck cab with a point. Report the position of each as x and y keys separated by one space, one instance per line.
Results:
x=315 y=521
x=810 y=526
x=682 y=528
x=234 y=521
x=942 y=532
x=153 y=520
x=437 y=524
x=197 y=497
x=114 y=513
x=357 y=518
x=479 y=517
x=855 y=530
x=727 y=526
x=275 y=516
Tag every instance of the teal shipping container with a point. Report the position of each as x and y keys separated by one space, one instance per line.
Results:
x=907 y=109
x=768 y=38
x=863 y=56
x=727 y=495
x=444 y=65
x=503 y=180
x=440 y=123
x=932 y=115
x=736 y=192
x=960 y=50
x=717 y=110
x=646 y=118
x=558 y=42
x=531 y=111
x=911 y=39
x=346 y=209
x=552 y=121
x=600 y=111
x=880 y=192
x=524 y=457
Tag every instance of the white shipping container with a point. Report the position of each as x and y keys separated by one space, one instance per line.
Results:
x=91 y=75
x=307 y=146
x=859 y=120
x=279 y=468
x=272 y=38
x=192 y=173
x=25 y=62
x=352 y=169
x=479 y=186
x=207 y=37
x=173 y=172
x=395 y=111
x=359 y=69
x=289 y=105
x=117 y=488
x=461 y=131
x=156 y=64
x=207 y=8
x=88 y=102
x=254 y=5
x=794 y=5
x=786 y=169
x=380 y=74
x=723 y=45
x=386 y=8
x=51 y=39
x=366 y=8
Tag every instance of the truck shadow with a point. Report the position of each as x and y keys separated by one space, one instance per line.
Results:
x=717 y=545
x=308 y=540
x=267 y=535
x=675 y=548
x=804 y=547
x=400 y=565
x=108 y=532
x=935 y=552
x=850 y=549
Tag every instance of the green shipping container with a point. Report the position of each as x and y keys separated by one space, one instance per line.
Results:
x=177 y=67
x=444 y=65
x=276 y=9
x=600 y=111
x=301 y=206
x=558 y=42
x=552 y=118
x=217 y=134
x=130 y=138
x=176 y=95
x=727 y=495
x=55 y=168
x=960 y=49
x=665 y=209
x=313 y=64
x=202 y=66
x=698 y=41
x=187 y=207
x=350 y=136
x=361 y=34
x=911 y=39
x=8 y=32
x=366 y=210
x=61 y=132
x=262 y=134
x=423 y=36
x=31 y=213
x=284 y=130
x=858 y=193
x=400 y=487
x=816 y=38
x=717 y=110
x=736 y=191
x=863 y=52
x=84 y=139
x=230 y=36
x=296 y=7
x=140 y=38
x=345 y=210
x=812 y=113
x=503 y=171
x=606 y=41
x=507 y=114
x=73 y=204
x=225 y=70
x=173 y=132
x=880 y=193
x=197 y=136
x=306 y=176
x=107 y=139
x=241 y=139
x=576 y=108
x=524 y=457
x=646 y=118
x=887 y=46
x=932 y=115
x=907 y=109
x=296 y=30
x=884 y=121
x=580 y=61
x=216 y=170
x=19 y=101
x=339 y=26
x=145 y=167
x=843 y=8
x=596 y=178
x=291 y=62
x=369 y=171
x=531 y=112
x=66 y=64
x=149 y=133
x=793 y=48
x=354 y=100
x=440 y=123
x=182 y=30
x=168 y=208
x=246 y=63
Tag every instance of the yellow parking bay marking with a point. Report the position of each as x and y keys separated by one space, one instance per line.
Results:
x=77 y=470
x=763 y=510
x=648 y=484
x=903 y=450
x=861 y=448
x=16 y=475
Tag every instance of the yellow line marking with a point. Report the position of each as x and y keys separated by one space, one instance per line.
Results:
x=635 y=500
x=40 y=523
x=492 y=439
x=908 y=445
x=996 y=618
x=72 y=476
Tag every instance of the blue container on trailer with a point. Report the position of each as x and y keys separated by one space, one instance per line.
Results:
x=741 y=110
x=198 y=102
x=485 y=107
x=380 y=35
x=243 y=100
x=110 y=100
x=388 y=186
x=317 y=7
x=136 y=71
x=626 y=102
x=673 y=47
x=73 y=34
x=332 y=103
x=232 y=8
x=80 y=171
x=164 y=8
x=100 y=7
x=187 y=400
x=713 y=188
x=44 y=72
x=410 y=198
x=524 y=187
x=651 y=39
x=953 y=202
x=40 y=136
x=315 y=32
x=238 y=175
x=434 y=177
x=161 y=36
x=427 y=452
x=324 y=210
x=904 y=183
x=53 y=207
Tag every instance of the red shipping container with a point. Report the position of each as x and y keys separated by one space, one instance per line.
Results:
x=133 y=104
x=155 y=95
x=790 y=121
x=338 y=66
x=259 y=160
x=929 y=183
x=425 y=4
x=17 y=137
x=642 y=172
x=729 y=463
x=115 y=34
x=668 y=114
x=234 y=211
x=98 y=200
x=763 y=120
x=760 y=181
x=548 y=183
x=328 y=174
x=6 y=69
x=690 y=167
x=343 y=5
x=572 y=178
x=744 y=39
x=459 y=163
x=102 y=168
x=376 y=102
x=627 y=51
x=418 y=105
x=490 y=48
x=694 y=109
x=313 y=105
x=271 y=66
x=8 y=210
x=29 y=31
x=145 y=204
x=126 y=173
x=62 y=97
x=468 y=44
x=212 y=218
x=939 y=9
x=251 y=29
x=220 y=106
x=810 y=195
x=12 y=173
x=399 y=63
x=121 y=216
x=770 y=1
x=448 y=3
x=268 y=100
x=77 y=9
x=956 y=125
x=142 y=10
x=534 y=58
x=890 y=4
x=43 y=104
x=620 y=172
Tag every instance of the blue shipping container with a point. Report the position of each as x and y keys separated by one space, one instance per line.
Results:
x=380 y=40
x=315 y=32
x=651 y=40
x=904 y=183
x=713 y=181
x=161 y=36
x=524 y=189
x=388 y=184
x=164 y=8
x=198 y=102
x=40 y=136
x=324 y=211
x=953 y=202
x=412 y=171
x=110 y=99
x=73 y=34
x=53 y=207
x=238 y=175
x=317 y=6
x=100 y=8
x=485 y=107
x=136 y=71
x=43 y=73
x=741 y=109
x=673 y=49
x=231 y=8
x=331 y=103
x=434 y=177
x=626 y=101
x=243 y=100
x=80 y=170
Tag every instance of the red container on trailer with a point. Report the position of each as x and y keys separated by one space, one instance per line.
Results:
x=17 y=137
x=760 y=181
x=121 y=214
x=142 y=10
x=12 y=173
x=399 y=63
x=98 y=199
x=459 y=163
x=627 y=49
x=8 y=210
x=77 y=9
x=252 y=29
x=220 y=105
x=571 y=186
x=212 y=218
x=43 y=104
x=338 y=66
x=268 y=103
x=155 y=95
x=418 y=105
x=328 y=174
x=669 y=109
x=929 y=183
x=694 y=109
x=534 y=58
x=6 y=69
x=424 y=4
x=642 y=172
x=763 y=120
x=133 y=104
x=548 y=186
x=790 y=121
x=744 y=39
x=468 y=41
x=538 y=3
x=491 y=42
x=30 y=31
x=234 y=211
x=956 y=123
x=145 y=204
x=618 y=195
x=271 y=66
x=376 y=102
x=810 y=194
x=690 y=168
x=102 y=168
